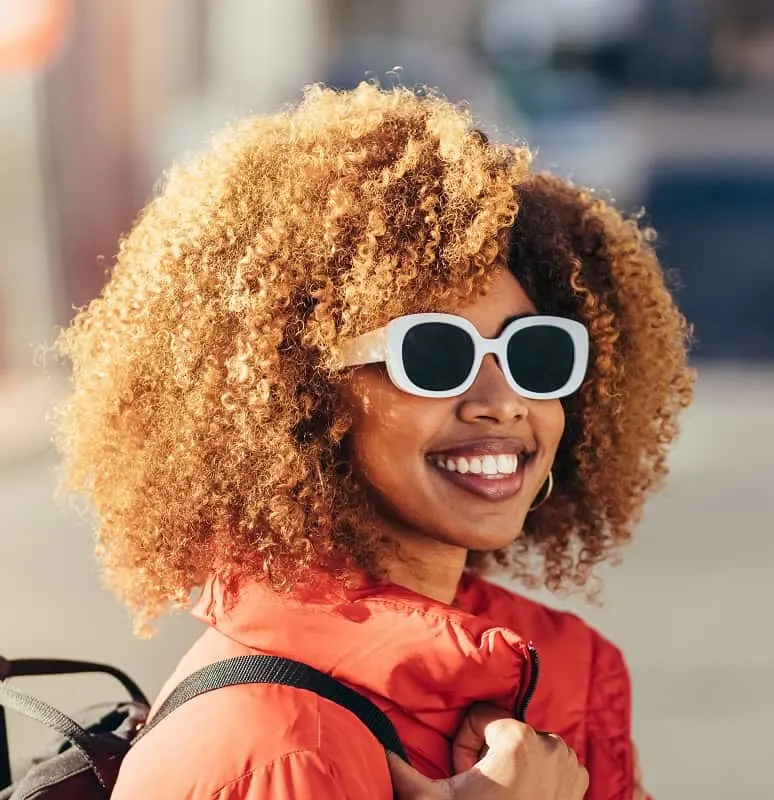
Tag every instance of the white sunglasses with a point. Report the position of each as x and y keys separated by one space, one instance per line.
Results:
x=439 y=355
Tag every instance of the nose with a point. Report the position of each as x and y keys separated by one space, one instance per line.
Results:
x=490 y=397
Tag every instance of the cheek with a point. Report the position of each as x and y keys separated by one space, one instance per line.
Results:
x=378 y=412
x=551 y=425
x=381 y=422
x=390 y=430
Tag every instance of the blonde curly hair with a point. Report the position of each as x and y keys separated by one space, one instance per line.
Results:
x=206 y=425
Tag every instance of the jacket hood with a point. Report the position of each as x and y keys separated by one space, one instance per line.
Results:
x=422 y=662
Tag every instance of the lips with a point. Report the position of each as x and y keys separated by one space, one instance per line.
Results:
x=495 y=488
x=482 y=447
x=485 y=455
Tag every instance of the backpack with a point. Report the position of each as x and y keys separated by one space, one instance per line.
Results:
x=85 y=764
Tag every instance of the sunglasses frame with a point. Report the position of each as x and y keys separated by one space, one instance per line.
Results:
x=385 y=345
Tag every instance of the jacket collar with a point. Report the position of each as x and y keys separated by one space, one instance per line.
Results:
x=422 y=662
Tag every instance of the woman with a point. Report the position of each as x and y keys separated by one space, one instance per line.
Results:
x=348 y=360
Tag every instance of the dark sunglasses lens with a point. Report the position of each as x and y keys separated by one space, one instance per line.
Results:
x=541 y=358
x=437 y=356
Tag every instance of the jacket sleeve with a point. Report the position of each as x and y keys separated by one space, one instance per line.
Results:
x=609 y=749
x=306 y=775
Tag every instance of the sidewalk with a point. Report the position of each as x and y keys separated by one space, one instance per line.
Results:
x=690 y=605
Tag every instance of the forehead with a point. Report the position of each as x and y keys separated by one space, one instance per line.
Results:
x=504 y=299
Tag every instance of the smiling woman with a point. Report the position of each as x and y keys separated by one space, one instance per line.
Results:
x=459 y=470
x=348 y=358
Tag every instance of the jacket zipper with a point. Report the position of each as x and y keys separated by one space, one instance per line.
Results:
x=520 y=710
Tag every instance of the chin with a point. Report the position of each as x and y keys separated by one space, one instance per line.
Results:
x=490 y=543
x=486 y=540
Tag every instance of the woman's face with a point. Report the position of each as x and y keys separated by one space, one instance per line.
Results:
x=399 y=442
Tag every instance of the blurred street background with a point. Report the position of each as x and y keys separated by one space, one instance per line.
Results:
x=665 y=105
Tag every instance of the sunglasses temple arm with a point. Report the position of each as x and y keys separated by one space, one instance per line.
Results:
x=370 y=348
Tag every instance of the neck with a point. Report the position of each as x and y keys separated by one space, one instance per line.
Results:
x=427 y=566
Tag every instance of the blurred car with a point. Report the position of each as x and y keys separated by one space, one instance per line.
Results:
x=715 y=222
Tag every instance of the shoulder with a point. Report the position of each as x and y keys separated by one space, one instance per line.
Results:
x=256 y=742
x=583 y=693
x=535 y=621
x=564 y=635
x=584 y=683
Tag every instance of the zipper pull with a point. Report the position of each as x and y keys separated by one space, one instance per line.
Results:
x=520 y=709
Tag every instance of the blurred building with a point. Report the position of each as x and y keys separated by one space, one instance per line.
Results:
x=666 y=103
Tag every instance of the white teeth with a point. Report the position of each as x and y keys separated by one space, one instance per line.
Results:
x=489 y=465
x=506 y=464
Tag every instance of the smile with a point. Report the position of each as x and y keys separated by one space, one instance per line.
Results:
x=490 y=466
x=494 y=476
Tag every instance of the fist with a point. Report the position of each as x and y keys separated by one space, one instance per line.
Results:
x=518 y=763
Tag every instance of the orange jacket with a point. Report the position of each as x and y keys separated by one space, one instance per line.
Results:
x=422 y=662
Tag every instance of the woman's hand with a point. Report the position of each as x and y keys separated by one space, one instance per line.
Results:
x=469 y=745
x=520 y=764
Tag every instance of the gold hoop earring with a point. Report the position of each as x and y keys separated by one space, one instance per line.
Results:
x=544 y=499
